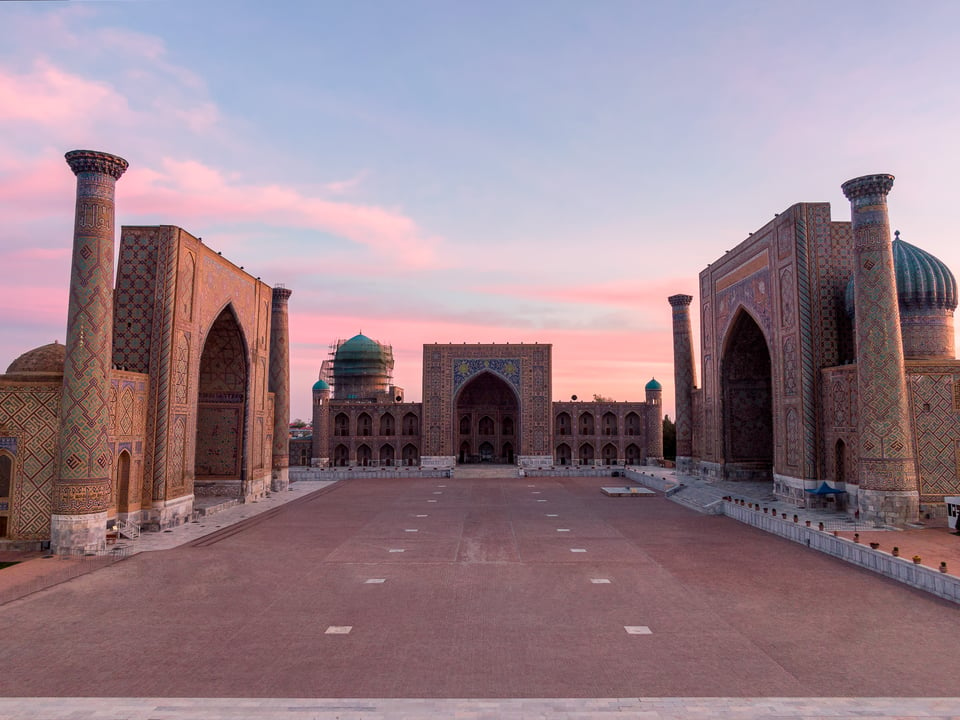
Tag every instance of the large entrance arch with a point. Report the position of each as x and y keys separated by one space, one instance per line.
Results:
x=489 y=420
x=746 y=389
x=222 y=409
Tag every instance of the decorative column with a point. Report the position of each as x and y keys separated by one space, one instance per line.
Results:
x=683 y=378
x=84 y=480
x=887 y=468
x=280 y=387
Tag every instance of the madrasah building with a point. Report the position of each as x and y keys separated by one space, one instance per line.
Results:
x=482 y=403
x=827 y=364
x=171 y=390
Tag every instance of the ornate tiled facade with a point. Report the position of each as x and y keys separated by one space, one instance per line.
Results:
x=482 y=403
x=797 y=392
x=183 y=407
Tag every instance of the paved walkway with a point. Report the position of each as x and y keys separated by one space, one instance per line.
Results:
x=486 y=572
x=934 y=543
x=526 y=709
x=36 y=571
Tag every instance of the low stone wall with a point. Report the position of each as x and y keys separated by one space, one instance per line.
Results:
x=897 y=568
x=575 y=471
x=351 y=473
x=651 y=481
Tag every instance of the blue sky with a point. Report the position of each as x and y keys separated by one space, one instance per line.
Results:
x=470 y=172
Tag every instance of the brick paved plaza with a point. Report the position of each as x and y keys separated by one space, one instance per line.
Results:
x=486 y=588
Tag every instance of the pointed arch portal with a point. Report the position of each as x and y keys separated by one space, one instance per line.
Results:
x=222 y=407
x=489 y=414
x=747 y=394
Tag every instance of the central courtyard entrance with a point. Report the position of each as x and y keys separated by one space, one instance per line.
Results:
x=487 y=412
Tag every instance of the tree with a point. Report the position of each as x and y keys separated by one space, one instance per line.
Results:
x=600 y=398
x=298 y=423
x=669 y=438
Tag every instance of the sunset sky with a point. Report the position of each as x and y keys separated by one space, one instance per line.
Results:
x=536 y=171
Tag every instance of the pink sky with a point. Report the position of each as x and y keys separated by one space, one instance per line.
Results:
x=459 y=178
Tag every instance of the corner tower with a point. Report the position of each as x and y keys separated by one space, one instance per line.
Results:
x=683 y=371
x=82 y=488
x=887 y=469
x=280 y=387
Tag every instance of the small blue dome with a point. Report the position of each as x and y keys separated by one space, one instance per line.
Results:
x=320 y=385
x=653 y=385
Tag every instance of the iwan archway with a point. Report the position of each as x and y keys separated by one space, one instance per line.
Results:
x=747 y=396
x=222 y=410
x=487 y=420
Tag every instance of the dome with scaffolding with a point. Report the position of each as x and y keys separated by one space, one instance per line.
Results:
x=362 y=368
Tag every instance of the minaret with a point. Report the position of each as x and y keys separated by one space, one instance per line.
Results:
x=887 y=470
x=321 y=417
x=280 y=387
x=683 y=379
x=654 y=397
x=84 y=480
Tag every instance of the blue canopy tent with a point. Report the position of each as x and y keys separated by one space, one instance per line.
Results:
x=825 y=489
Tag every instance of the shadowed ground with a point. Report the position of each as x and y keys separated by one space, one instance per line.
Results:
x=486 y=600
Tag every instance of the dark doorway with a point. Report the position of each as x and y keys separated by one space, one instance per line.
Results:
x=222 y=408
x=747 y=395
x=487 y=408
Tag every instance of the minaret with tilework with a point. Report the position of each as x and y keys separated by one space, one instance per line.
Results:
x=886 y=466
x=280 y=387
x=683 y=370
x=84 y=480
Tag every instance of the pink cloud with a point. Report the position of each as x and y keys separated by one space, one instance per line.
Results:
x=187 y=190
x=51 y=97
x=623 y=292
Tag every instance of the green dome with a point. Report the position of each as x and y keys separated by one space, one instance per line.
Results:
x=361 y=356
x=320 y=385
x=653 y=385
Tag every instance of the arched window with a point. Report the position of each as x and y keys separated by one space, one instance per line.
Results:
x=341 y=425
x=586 y=454
x=387 y=425
x=386 y=455
x=633 y=454
x=6 y=474
x=507 y=454
x=364 y=455
x=485 y=426
x=341 y=456
x=609 y=454
x=609 y=424
x=564 y=454
x=508 y=427
x=123 y=482
x=465 y=425
x=632 y=422
x=586 y=424
x=563 y=424
x=364 y=425
x=410 y=454
x=411 y=425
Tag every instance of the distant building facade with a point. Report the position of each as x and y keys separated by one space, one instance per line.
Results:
x=827 y=355
x=481 y=403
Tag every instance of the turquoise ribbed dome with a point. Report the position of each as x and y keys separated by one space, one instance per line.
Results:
x=923 y=281
x=320 y=385
x=653 y=385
